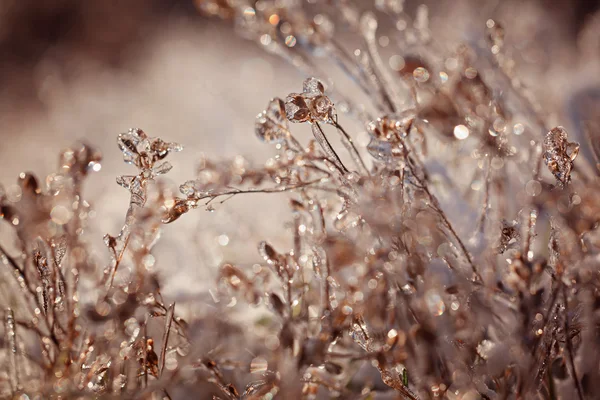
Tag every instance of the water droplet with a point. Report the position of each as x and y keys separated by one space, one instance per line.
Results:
x=470 y=73
x=495 y=35
x=274 y=19
x=397 y=62
x=272 y=342
x=443 y=77
x=148 y=261
x=265 y=39
x=499 y=125
x=258 y=365
x=61 y=215
x=223 y=240
x=533 y=187
x=290 y=41
x=434 y=301
x=461 y=132
x=95 y=166
x=421 y=74
x=485 y=348
x=249 y=12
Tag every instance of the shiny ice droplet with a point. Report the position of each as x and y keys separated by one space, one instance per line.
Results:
x=435 y=304
x=461 y=132
x=258 y=365
x=188 y=188
x=249 y=12
x=533 y=188
x=485 y=348
x=397 y=62
x=148 y=260
x=290 y=41
x=95 y=166
x=223 y=240
x=61 y=215
x=518 y=129
x=470 y=73
x=495 y=34
x=421 y=75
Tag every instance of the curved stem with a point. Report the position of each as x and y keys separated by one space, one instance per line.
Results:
x=349 y=144
x=324 y=143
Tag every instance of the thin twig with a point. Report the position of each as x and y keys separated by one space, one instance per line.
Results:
x=570 y=344
x=349 y=144
x=163 y=351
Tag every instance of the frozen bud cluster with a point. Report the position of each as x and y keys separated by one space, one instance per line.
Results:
x=560 y=154
x=271 y=124
x=312 y=105
x=386 y=136
x=143 y=151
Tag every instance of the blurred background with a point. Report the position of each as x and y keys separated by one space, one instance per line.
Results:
x=86 y=70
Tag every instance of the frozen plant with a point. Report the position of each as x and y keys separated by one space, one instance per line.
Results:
x=455 y=256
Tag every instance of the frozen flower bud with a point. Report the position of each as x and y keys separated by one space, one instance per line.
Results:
x=509 y=235
x=296 y=108
x=389 y=129
x=79 y=160
x=29 y=183
x=559 y=154
x=386 y=133
x=311 y=104
x=143 y=151
x=313 y=86
x=321 y=109
x=175 y=209
x=128 y=144
x=384 y=151
x=271 y=125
